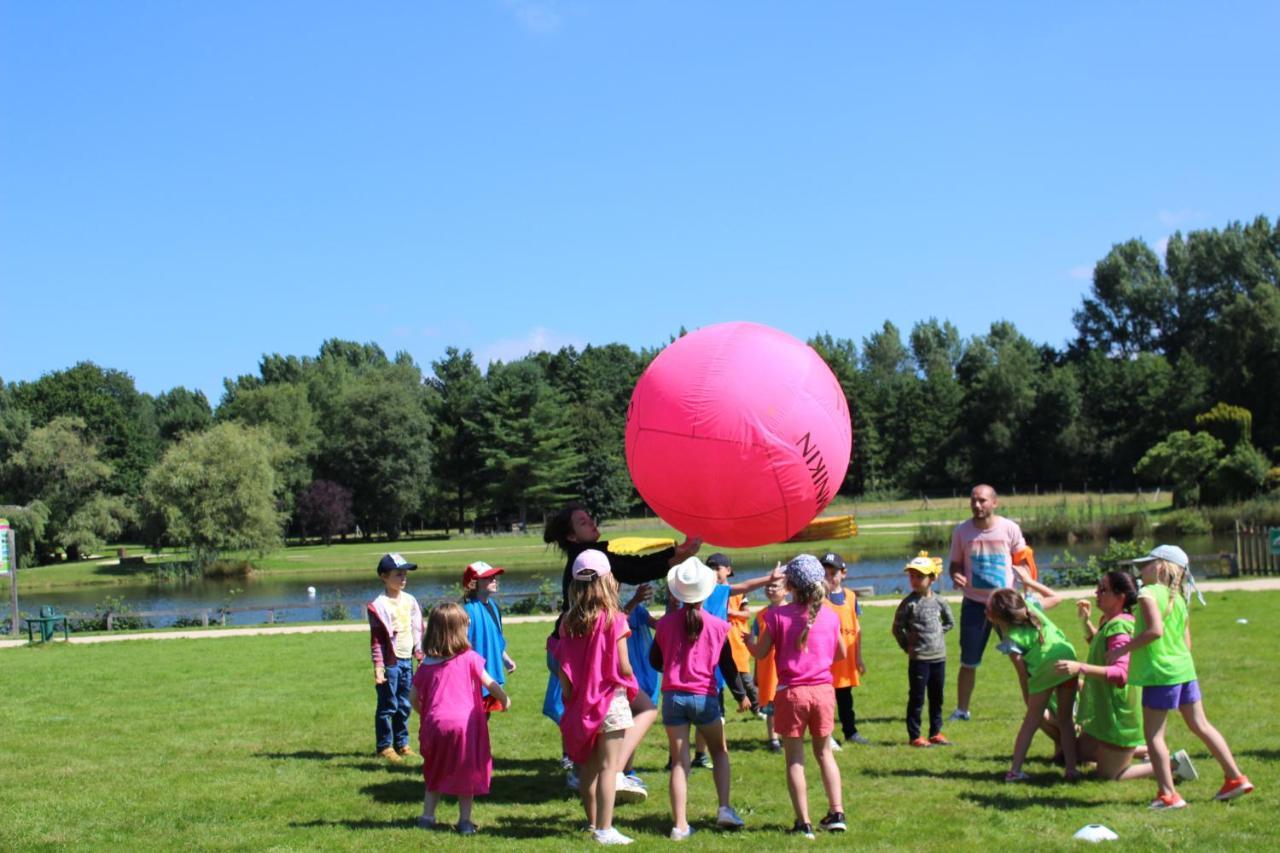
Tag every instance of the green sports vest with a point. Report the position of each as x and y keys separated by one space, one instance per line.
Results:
x=1111 y=714
x=1040 y=657
x=1167 y=661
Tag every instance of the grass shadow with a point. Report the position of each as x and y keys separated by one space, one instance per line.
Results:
x=312 y=755
x=395 y=791
x=1263 y=754
x=1010 y=802
x=398 y=823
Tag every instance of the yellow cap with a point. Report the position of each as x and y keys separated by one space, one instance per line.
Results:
x=925 y=565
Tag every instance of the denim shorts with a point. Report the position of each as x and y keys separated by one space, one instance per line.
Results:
x=684 y=709
x=975 y=631
x=1171 y=696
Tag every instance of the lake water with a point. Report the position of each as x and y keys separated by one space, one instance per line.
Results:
x=253 y=598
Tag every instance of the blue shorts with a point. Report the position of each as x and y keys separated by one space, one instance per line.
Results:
x=685 y=709
x=975 y=631
x=1167 y=697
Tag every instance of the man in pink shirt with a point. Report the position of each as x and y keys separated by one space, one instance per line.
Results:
x=982 y=550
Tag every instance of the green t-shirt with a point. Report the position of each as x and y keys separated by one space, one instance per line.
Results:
x=1040 y=656
x=1167 y=661
x=1111 y=714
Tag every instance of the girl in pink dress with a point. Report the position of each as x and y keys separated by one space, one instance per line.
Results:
x=453 y=731
x=599 y=687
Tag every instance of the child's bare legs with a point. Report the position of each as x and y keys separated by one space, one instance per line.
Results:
x=1193 y=715
x=606 y=761
x=429 y=802
x=1113 y=762
x=1066 y=726
x=830 y=773
x=464 y=809
x=1036 y=703
x=793 y=748
x=713 y=735
x=678 y=784
x=1153 y=720
x=643 y=714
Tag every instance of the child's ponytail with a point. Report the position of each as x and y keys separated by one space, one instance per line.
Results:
x=693 y=621
x=807 y=580
x=816 y=595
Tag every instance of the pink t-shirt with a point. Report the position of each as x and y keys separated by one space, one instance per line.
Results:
x=811 y=665
x=986 y=555
x=690 y=667
x=591 y=665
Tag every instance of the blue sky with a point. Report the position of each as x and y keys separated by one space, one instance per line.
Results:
x=185 y=186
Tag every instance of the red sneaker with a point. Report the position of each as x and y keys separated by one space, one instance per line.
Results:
x=920 y=742
x=1233 y=788
x=1168 y=801
x=939 y=740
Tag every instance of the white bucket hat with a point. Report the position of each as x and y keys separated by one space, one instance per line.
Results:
x=691 y=581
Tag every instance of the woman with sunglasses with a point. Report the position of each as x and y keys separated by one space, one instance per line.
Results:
x=1109 y=712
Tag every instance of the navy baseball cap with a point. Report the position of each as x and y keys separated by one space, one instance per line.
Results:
x=833 y=560
x=719 y=560
x=391 y=562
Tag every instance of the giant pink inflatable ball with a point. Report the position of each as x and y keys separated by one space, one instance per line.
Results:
x=739 y=434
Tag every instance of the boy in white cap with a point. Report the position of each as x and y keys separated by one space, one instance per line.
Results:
x=919 y=626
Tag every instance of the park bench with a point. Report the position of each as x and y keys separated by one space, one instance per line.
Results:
x=48 y=621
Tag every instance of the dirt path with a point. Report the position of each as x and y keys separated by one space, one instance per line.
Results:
x=1248 y=585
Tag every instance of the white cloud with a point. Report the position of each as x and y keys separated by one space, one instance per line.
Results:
x=1175 y=218
x=1162 y=246
x=538 y=339
x=1084 y=272
x=540 y=18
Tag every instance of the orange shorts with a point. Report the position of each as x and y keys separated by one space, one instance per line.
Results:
x=811 y=707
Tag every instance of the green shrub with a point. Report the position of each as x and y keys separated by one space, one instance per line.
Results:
x=932 y=537
x=545 y=600
x=1191 y=522
x=334 y=610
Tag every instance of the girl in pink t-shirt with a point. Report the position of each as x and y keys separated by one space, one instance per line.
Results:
x=453 y=730
x=688 y=646
x=807 y=638
x=598 y=727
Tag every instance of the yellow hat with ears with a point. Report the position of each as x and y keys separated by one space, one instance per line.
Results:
x=925 y=565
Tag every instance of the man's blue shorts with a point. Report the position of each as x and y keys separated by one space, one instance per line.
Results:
x=975 y=630
x=684 y=709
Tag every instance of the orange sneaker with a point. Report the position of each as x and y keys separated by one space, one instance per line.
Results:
x=1168 y=801
x=390 y=756
x=920 y=742
x=1233 y=788
x=939 y=740
x=405 y=751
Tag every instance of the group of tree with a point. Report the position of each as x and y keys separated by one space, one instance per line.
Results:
x=1173 y=378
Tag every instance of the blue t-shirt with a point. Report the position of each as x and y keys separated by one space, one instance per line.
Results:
x=485 y=636
x=638 y=645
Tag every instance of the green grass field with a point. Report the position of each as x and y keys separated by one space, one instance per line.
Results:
x=886 y=528
x=266 y=743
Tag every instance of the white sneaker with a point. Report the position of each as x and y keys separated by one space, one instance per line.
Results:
x=957 y=714
x=1183 y=768
x=571 y=781
x=727 y=818
x=681 y=834
x=834 y=744
x=627 y=791
x=610 y=836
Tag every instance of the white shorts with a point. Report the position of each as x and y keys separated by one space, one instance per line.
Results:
x=618 y=716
